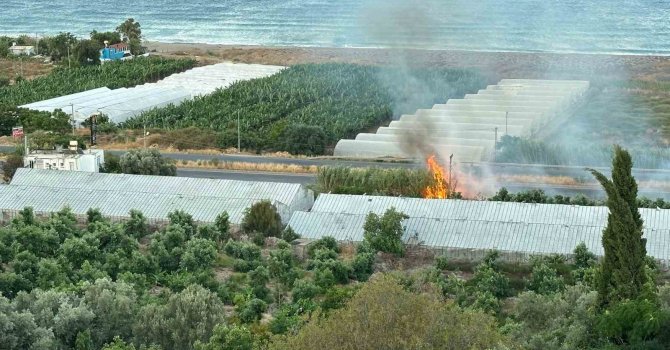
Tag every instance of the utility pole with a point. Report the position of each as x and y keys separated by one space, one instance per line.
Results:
x=69 y=62
x=451 y=157
x=239 y=149
x=21 y=66
x=25 y=144
x=495 y=144
x=72 y=116
x=144 y=136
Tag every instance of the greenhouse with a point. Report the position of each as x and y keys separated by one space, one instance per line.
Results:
x=116 y=205
x=124 y=103
x=473 y=227
x=291 y=197
x=516 y=107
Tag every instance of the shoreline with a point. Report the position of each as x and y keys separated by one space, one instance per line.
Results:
x=506 y=64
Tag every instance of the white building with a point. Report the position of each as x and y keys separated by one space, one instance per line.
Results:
x=19 y=50
x=90 y=160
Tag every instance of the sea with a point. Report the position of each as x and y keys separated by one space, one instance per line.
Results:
x=639 y=27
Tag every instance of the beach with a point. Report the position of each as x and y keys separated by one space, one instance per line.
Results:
x=499 y=64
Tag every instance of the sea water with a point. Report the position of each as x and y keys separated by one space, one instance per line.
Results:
x=583 y=26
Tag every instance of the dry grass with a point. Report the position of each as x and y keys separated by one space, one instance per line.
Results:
x=246 y=166
x=549 y=180
x=31 y=68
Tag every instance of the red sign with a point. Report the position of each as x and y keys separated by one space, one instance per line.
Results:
x=17 y=131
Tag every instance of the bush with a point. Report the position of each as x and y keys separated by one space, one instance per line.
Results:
x=303 y=289
x=199 y=254
x=545 y=280
x=304 y=139
x=363 y=266
x=327 y=243
x=147 y=162
x=385 y=233
x=262 y=217
x=222 y=224
x=251 y=310
x=633 y=322
x=324 y=278
x=289 y=235
x=137 y=225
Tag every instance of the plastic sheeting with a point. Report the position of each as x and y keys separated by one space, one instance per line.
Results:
x=523 y=228
x=517 y=107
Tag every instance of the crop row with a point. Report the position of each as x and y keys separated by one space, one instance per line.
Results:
x=340 y=99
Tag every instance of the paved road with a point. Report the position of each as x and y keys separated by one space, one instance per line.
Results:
x=470 y=169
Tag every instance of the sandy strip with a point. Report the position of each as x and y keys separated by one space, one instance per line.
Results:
x=502 y=64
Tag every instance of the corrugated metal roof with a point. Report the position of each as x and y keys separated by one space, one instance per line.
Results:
x=527 y=238
x=119 y=203
x=517 y=227
x=482 y=210
x=281 y=192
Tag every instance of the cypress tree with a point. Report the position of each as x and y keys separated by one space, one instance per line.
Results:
x=622 y=271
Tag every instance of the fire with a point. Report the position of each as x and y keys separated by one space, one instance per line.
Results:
x=440 y=188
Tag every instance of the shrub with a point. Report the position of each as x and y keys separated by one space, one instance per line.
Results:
x=199 y=254
x=258 y=279
x=303 y=289
x=385 y=233
x=251 y=310
x=304 y=139
x=324 y=278
x=137 y=225
x=325 y=243
x=147 y=162
x=363 y=266
x=262 y=217
x=222 y=224
x=289 y=235
x=545 y=280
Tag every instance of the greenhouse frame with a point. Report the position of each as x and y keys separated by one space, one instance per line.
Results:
x=468 y=229
x=287 y=197
x=515 y=107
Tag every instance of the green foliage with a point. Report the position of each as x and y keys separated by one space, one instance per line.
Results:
x=187 y=317
x=229 y=337
x=341 y=99
x=258 y=279
x=64 y=81
x=622 y=273
x=32 y=121
x=326 y=243
x=87 y=52
x=324 y=277
x=385 y=233
x=289 y=235
x=248 y=256
x=303 y=289
x=304 y=139
x=199 y=254
x=251 y=310
x=262 y=217
x=363 y=264
x=137 y=225
x=633 y=322
x=545 y=280
x=371 y=321
x=130 y=30
x=13 y=162
x=561 y=321
x=147 y=162
x=111 y=37
x=112 y=164
x=222 y=224
x=373 y=181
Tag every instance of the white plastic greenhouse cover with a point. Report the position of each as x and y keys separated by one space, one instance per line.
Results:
x=478 y=225
x=122 y=104
x=293 y=197
x=517 y=107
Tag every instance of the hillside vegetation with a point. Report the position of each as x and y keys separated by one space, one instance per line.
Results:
x=307 y=107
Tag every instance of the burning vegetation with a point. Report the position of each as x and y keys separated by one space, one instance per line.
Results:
x=441 y=185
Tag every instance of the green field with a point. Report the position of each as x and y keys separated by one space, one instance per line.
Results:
x=339 y=100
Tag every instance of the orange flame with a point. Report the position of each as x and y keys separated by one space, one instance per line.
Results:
x=440 y=188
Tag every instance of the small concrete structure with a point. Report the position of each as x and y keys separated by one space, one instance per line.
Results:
x=73 y=159
x=115 y=52
x=20 y=50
